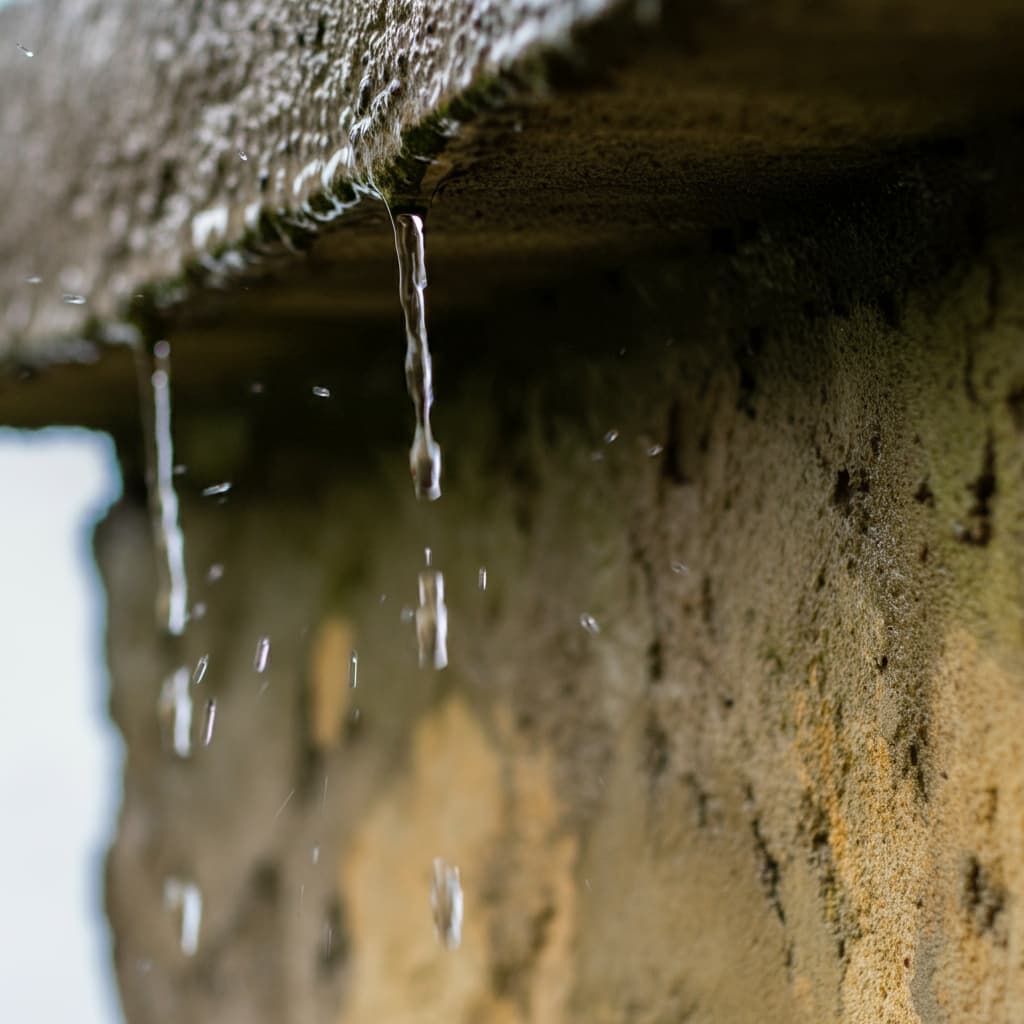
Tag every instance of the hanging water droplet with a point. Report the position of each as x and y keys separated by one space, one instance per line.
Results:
x=425 y=453
x=322 y=392
x=72 y=299
x=242 y=155
x=432 y=621
x=259 y=661
x=26 y=51
x=200 y=669
x=33 y=279
x=316 y=854
x=446 y=904
x=655 y=449
x=215 y=489
x=353 y=669
x=590 y=624
x=214 y=573
x=611 y=437
x=680 y=569
x=208 y=720
x=481 y=577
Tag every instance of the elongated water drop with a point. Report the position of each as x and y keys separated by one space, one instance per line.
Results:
x=428 y=556
x=432 y=621
x=425 y=453
x=353 y=669
x=73 y=299
x=259 y=661
x=208 y=720
x=446 y=904
x=33 y=279
x=155 y=386
x=200 y=669
x=209 y=492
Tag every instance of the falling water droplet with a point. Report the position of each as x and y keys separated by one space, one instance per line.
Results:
x=26 y=51
x=428 y=556
x=316 y=854
x=73 y=299
x=432 y=621
x=186 y=897
x=481 y=577
x=259 y=661
x=353 y=669
x=33 y=279
x=214 y=573
x=242 y=155
x=611 y=437
x=590 y=624
x=425 y=453
x=200 y=670
x=214 y=489
x=655 y=449
x=406 y=615
x=680 y=569
x=208 y=720
x=198 y=610
x=322 y=392
x=179 y=470
x=446 y=904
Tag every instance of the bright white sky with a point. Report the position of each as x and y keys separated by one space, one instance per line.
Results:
x=60 y=756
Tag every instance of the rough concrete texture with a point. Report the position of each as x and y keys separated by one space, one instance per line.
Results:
x=141 y=136
x=751 y=398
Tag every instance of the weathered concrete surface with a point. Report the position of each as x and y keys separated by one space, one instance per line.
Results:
x=783 y=782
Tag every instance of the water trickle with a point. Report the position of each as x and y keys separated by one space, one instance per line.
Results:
x=259 y=661
x=590 y=624
x=186 y=897
x=175 y=712
x=200 y=669
x=481 y=577
x=26 y=51
x=432 y=621
x=322 y=392
x=208 y=720
x=215 y=489
x=155 y=385
x=73 y=299
x=353 y=669
x=446 y=904
x=425 y=453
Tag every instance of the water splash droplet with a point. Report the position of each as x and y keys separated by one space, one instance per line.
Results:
x=322 y=392
x=611 y=437
x=425 y=453
x=208 y=720
x=200 y=669
x=242 y=155
x=73 y=299
x=187 y=897
x=214 y=573
x=655 y=449
x=446 y=904
x=481 y=577
x=432 y=621
x=260 y=658
x=353 y=669
x=590 y=624
x=215 y=489
x=26 y=51
x=680 y=569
